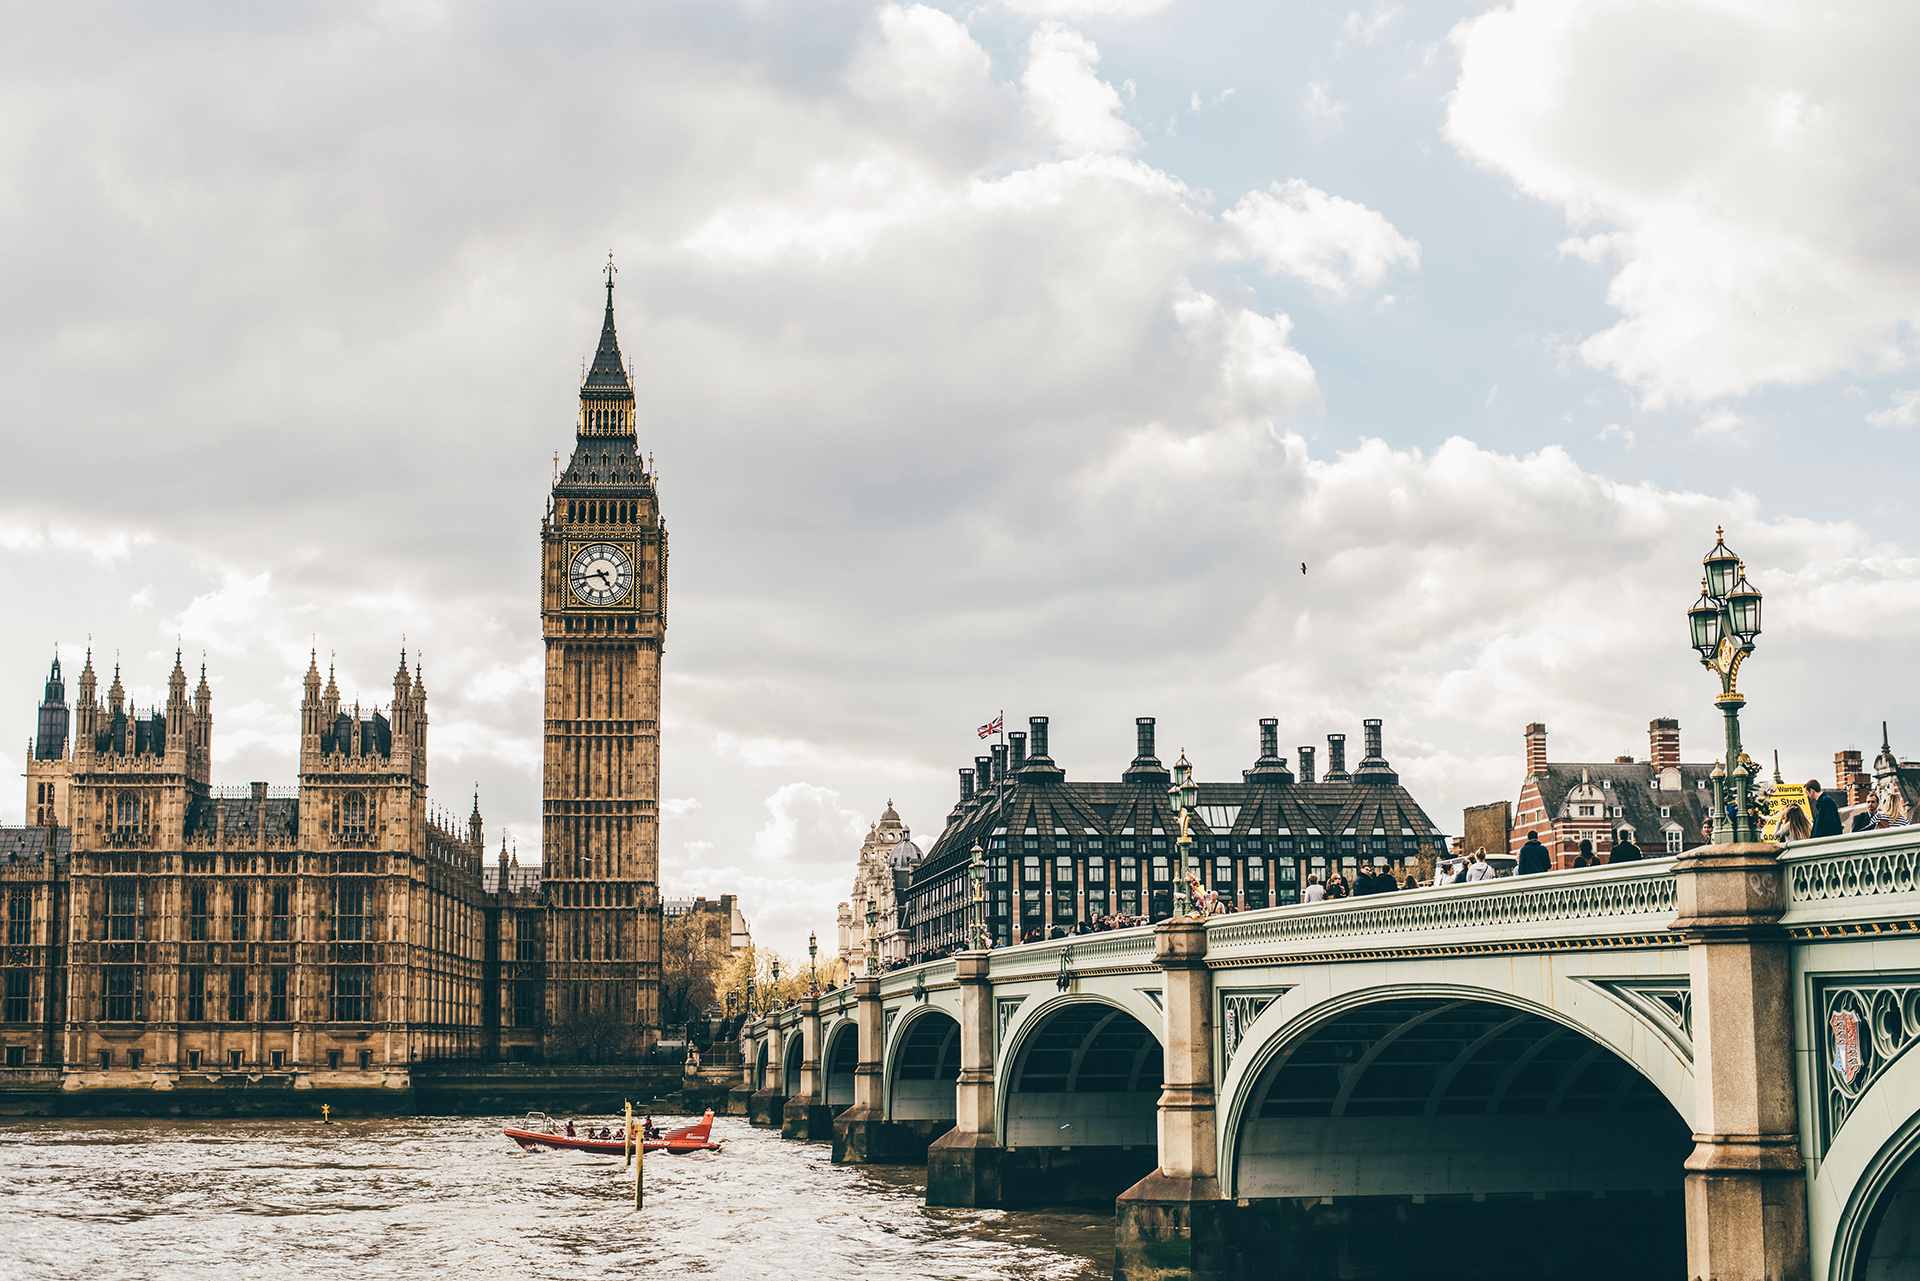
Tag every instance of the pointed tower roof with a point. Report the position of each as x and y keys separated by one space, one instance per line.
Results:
x=607 y=378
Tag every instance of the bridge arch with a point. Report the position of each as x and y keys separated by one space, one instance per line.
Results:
x=1864 y=1203
x=1469 y=1121
x=793 y=1053
x=839 y=1061
x=1084 y=1046
x=761 y=1080
x=923 y=1062
x=1077 y=1100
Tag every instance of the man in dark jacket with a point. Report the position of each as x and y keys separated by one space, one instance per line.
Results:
x=1826 y=813
x=1624 y=850
x=1534 y=856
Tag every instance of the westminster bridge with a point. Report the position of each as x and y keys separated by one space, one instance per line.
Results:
x=1698 y=1058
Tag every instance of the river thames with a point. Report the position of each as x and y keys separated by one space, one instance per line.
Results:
x=411 y=1197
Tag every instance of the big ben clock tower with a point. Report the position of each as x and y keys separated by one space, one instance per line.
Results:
x=603 y=612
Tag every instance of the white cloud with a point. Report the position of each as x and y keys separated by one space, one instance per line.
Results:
x=1721 y=422
x=1089 y=8
x=1333 y=244
x=1369 y=29
x=808 y=825
x=952 y=418
x=920 y=58
x=1904 y=412
x=1321 y=107
x=1071 y=104
x=1735 y=162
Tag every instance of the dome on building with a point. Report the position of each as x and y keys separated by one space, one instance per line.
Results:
x=905 y=855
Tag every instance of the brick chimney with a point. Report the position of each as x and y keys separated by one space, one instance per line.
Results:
x=966 y=785
x=1663 y=742
x=1850 y=776
x=1019 y=742
x=1536 y=748
x=1306 y=764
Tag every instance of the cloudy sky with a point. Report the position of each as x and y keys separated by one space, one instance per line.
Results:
x=1011 y=355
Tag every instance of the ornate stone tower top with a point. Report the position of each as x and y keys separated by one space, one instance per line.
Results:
x=51 y=742
x=606 y=393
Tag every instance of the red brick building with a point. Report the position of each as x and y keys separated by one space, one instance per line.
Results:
x=1662 y=801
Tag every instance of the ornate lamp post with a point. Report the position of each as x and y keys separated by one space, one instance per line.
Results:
x=1724 y=622
x=873 y=940
x=774 y=1000
x=1186 y=796
x=813 y=967
x=751 y=1011
x=977 y=873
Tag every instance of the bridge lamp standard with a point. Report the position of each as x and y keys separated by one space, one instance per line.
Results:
x=873 y=940
x=977 y=874
x=1186 y=797
x=1724 y=622
x=774 y=999
x=813 y=968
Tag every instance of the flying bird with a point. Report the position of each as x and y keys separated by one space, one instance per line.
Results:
x=1303 y=567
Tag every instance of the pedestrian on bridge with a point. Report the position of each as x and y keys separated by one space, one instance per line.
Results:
x=1534 y=856
x=1624 y=850
x=1826 y=813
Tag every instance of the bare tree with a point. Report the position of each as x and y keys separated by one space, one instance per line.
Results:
x=594 y=1034
x=693 y=955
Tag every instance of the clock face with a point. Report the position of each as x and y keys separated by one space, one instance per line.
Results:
x=600 y=574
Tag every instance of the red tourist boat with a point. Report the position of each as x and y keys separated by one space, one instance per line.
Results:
x=541 y=1131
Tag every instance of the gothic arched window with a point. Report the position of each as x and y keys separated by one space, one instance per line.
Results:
x=127 y=811
x=353 y=815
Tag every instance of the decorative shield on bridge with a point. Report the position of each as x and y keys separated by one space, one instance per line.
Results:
x=1846 y=1044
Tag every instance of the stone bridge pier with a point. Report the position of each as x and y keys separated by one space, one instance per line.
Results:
x=1693 y=1065
x=805 y=1114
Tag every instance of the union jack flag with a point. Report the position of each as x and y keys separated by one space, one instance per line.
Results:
x=1846 y=1044
x=993 y=726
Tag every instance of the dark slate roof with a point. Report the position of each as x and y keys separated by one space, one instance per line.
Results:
x=518 y=878
x=607 y=379
x=1630 y=788
x=247 y=817
x=1268 y=805
x=29 y=845
x=602 y=461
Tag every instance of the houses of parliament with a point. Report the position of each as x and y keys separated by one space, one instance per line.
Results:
x=165 y=933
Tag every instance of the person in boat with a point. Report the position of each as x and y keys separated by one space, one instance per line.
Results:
x=649 y=1131
x=569 y=1127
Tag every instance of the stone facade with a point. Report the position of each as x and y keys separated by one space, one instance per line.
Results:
x=157 y=925
x=161 y=931
x=603 y=612
x=888 y=858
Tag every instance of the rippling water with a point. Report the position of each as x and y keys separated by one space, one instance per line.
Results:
x=422 y=1196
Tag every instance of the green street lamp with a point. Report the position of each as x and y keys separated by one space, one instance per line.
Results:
x=774 y=998
x=873 y=940
x=813 y=967
x=1723 y=623
x=1186 y=798
x=977 y=873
